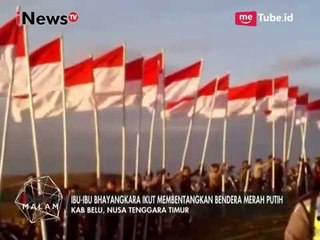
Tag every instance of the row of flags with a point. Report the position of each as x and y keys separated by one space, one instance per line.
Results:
x=109 y=81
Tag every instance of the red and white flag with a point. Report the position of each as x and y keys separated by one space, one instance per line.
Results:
x=180 y=109
x=279 y=97
x=301 y=108
x=284 y=110
x=79 y=86
x=183 y=83
x=8 y=35
x=314 y=112
x=109 y=78
x=152 y=70
x=211 y=103
x=20 y=84
x=47 y=81
x=264 y=92
x=242 y=99
x=133 y=80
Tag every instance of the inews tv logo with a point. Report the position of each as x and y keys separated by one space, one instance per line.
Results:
x=32 y=18
x=251 y=18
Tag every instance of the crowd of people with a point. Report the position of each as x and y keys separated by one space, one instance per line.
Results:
x=269 y=176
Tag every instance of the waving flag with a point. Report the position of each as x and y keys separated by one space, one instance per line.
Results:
x=133 y=79
x=20 y=84
x=301 y=108
x=180 y=108
x=183 y=83
x=314 y=112
x=47 y=80
x=286 y=110
x=79 y=86
x=207 y=97
x=8 y=38
x=109 y=78
x=264 y=92
x=242 y=99
x=151 y=73
x=280 y=96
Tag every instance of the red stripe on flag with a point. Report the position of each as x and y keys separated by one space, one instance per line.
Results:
x=48 y=53
x=80 y=73
x=20 y=48
x=171 y=105
x=224 y=82
x=208 y=89
x=191 y=71
x=264 y=88
x=151 y=70
x=134 y=70
x=243 y=91
x=293 y=92
x=281 y=82
x=303 y=99
x=114 y=58
x=8 y=33
x=314 y=106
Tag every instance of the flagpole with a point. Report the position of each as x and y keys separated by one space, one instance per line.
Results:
x=225 y=123
x=186 y=146
x=64 y=119
x=123 y=161
x=5 y=124
x=204 y=150
x=64 y=122
x=284 y=153
x=138 y=139
x=293 y=117
x=164 y=127
x=164 y=138
x=253 y=123
x=151 y=134
x=305 y=154
x=273 y=140
x=137 y=157
x=33 y=128
x=123 y=130
x=301 y=157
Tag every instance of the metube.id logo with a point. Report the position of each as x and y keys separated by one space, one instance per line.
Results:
x=251 y=18
x=32 y=18
x=248 y=18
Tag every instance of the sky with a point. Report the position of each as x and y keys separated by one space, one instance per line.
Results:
x=187 y=30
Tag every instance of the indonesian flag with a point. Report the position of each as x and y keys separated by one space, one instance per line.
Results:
x=280 y=96
x=314 y=112
x=212 y=100
x=8 y=34
x=183 y=83
x=286 y=110
x=181 y=108
x=152 y=69
x=20 y=84
x=242 y=99
x=264 y=92
x=203 y=101
x=301 y=108
x=109 y=76
x=79 y=86
x=133 y=79
x=47 y=80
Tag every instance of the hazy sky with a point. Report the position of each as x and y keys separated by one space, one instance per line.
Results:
x=187 y=30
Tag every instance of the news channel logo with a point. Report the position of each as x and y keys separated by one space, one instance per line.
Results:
x=39 y=198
